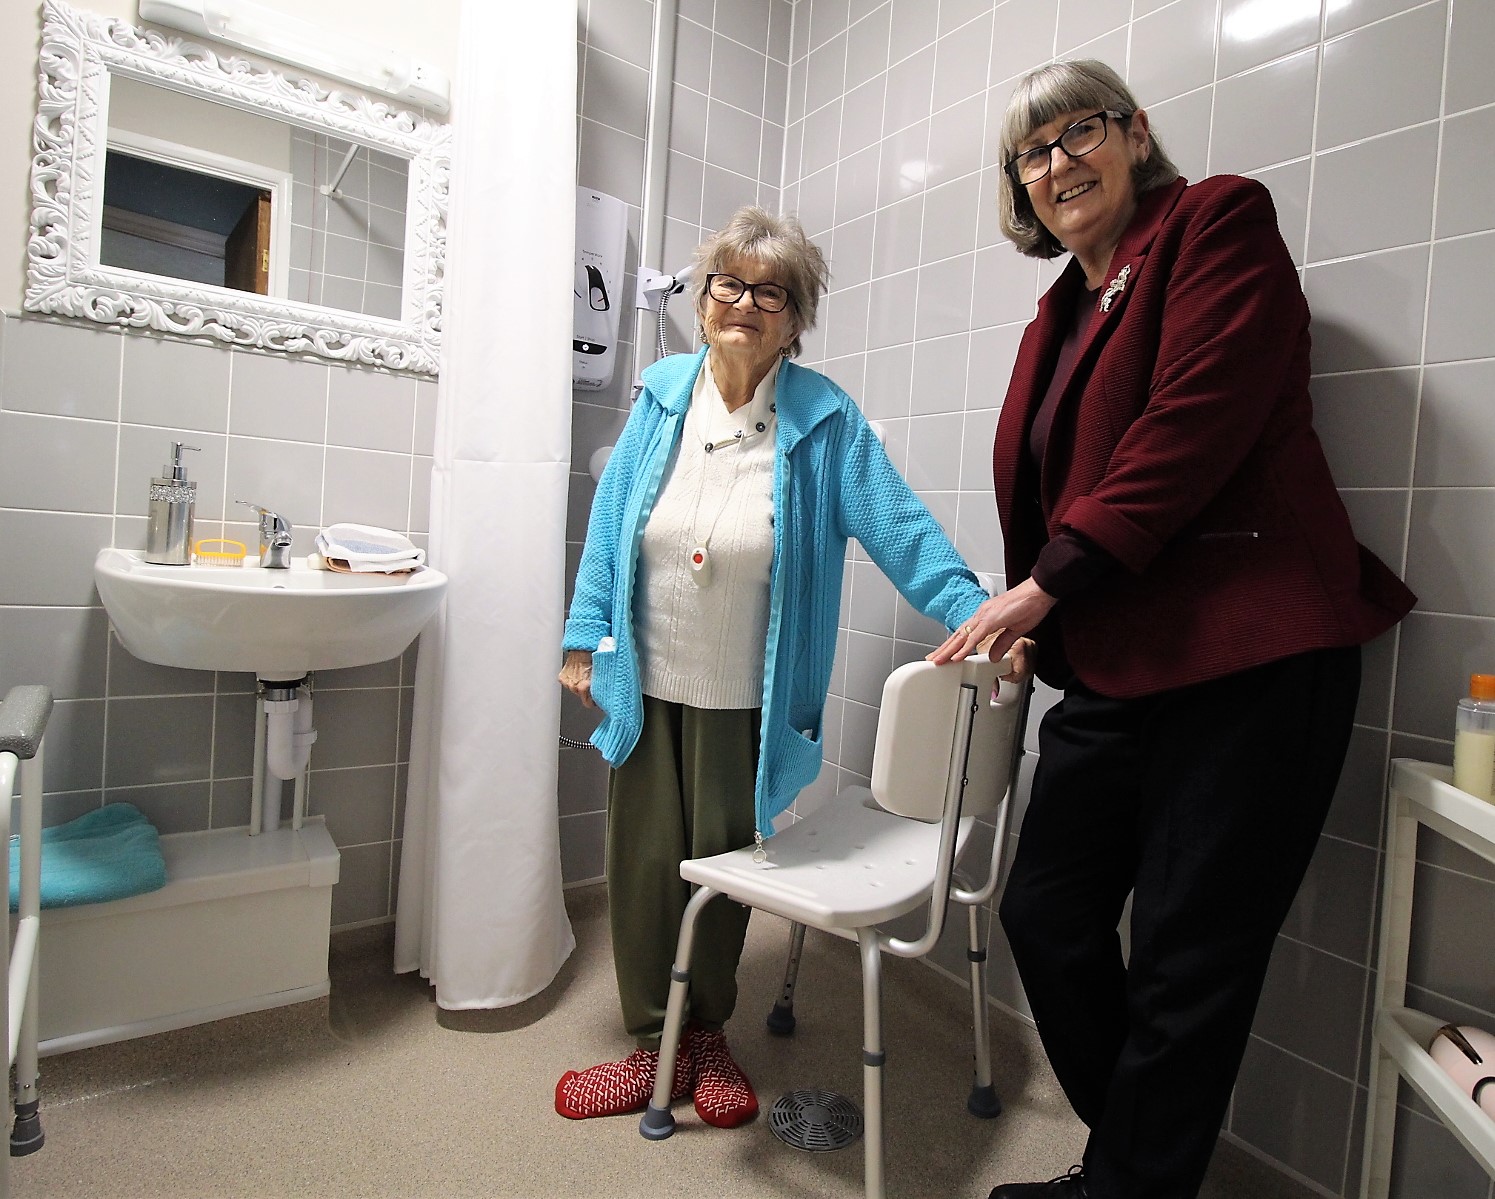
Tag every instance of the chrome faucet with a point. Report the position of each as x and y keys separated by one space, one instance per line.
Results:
x=275 y=538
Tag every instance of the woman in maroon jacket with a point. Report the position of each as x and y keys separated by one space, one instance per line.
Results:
x=1178 y=554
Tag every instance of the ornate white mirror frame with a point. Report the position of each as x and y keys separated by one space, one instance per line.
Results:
x=79 y=51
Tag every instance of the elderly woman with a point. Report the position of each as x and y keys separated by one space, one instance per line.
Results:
x=1177 y=550
x=704 y=626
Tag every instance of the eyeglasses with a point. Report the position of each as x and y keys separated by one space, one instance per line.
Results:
x=1077 y=140
x=728 y=289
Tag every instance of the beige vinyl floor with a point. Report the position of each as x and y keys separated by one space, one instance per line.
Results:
x=376 y=1092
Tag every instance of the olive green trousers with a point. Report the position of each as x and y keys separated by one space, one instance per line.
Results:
x=686 y=791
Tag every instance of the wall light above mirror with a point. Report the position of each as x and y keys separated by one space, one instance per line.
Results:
x=176 y=190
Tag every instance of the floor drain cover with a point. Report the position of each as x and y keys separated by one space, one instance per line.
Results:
x=815 y=1120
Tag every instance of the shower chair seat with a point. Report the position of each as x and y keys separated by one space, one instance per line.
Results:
x=948 y=749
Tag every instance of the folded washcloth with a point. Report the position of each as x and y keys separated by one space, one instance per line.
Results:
x=368 y=550
x=108 y=853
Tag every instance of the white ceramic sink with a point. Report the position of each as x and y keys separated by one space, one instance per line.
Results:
x=277 y=624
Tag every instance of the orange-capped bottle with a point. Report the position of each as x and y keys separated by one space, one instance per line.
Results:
x=1474 y=739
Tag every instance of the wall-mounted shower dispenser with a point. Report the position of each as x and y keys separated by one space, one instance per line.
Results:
x=601 y=239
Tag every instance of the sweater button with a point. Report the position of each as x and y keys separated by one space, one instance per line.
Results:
x=761 y=426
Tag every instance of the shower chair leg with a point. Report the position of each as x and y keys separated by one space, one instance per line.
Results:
x=781 y=1019
x=983 y=1100
x=658 y=1121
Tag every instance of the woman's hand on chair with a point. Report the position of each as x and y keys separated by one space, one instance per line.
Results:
x=576 y=675
x=997 y=626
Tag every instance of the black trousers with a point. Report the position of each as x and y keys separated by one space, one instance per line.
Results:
x=1204 y=804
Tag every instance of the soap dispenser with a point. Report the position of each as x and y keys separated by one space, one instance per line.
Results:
x=168 y=536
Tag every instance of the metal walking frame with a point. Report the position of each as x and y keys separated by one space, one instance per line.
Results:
x=23 y=721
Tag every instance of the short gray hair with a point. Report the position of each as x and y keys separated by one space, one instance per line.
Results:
x=1042 y=95
x=779 y=242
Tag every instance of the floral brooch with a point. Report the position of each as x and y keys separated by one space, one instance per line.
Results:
x=1115 y=287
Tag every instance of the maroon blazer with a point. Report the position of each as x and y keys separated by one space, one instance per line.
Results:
x=1183 y=445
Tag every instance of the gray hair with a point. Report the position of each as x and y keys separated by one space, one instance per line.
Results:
x=779 y=242
x=1042 y=95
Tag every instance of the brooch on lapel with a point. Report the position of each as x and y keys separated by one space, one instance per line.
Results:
x=1115 y=287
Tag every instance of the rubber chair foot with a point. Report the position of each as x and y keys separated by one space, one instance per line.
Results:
x=781 y=1021
x=26 y=1136
x=983 y=1102
x=656 y=1124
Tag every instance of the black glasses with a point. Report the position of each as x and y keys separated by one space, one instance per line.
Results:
x=728 y=289
x=1077 y=141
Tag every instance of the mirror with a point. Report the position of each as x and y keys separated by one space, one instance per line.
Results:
x=187 y=193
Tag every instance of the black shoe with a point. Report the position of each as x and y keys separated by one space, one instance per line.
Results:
x=1066 y=1186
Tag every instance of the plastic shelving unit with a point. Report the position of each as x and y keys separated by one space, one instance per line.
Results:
x=1420 y=793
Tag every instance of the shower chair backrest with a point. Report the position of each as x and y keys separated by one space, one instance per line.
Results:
x=918 y=735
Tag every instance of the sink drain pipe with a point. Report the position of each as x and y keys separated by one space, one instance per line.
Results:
x=282 y=748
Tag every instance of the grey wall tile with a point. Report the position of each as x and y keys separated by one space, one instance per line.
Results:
x=58 y=549
x=278 y=397
x=1264 y=116
x=1023 y=36
x=1461 y=297
x=65 y=649
x=1448 y=965
x=1366 y=421
x=1447 y=560
x=61 y=368
x=283 y=476
x=953 y=151
x=1399 y=169
x=1437 y=655
x=363 y=890
x=583 y=848
x=1082 y=20
x=867 y=46
x=945 y=297
x=615 y=93
x=56 y=462
x=733 y=138
x=1173 y=50
x=1359 y=97
x=1183 y=125
x=174 y=384
x=1470 y=81
x=1288 y=184
x=1456 y=425
x=355 y=728
x=1251 y=34
x=1334 y=907
x=357 y=803
x=1368 y=311
x=1295 y=1112
x=1466 y=173
x=962 y=58
x=371 y=410
x=1311 y=1006
x=159 y=740
x=1427 y=1160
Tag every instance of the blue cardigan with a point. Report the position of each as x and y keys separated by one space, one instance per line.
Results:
x=832 y=481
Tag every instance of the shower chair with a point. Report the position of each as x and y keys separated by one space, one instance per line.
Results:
x=23 y=721
x=948 y=749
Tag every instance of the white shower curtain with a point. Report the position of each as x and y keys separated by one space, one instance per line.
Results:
x=480 y=911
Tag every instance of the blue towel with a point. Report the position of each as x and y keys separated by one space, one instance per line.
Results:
x=109 y=853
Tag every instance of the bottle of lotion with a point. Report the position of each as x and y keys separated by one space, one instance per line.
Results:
x=168 y=534
x=1474 y=739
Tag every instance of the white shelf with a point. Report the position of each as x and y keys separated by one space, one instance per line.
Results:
x=1420 y=793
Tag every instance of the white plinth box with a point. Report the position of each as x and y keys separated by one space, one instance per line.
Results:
x=241 y=925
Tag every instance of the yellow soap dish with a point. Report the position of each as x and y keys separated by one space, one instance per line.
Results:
x=220 y=552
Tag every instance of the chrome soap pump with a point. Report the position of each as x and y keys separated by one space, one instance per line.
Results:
x=168 y=536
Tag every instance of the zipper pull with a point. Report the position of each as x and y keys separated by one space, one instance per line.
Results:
x=760 y=851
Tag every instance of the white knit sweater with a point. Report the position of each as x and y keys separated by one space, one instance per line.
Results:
x=703 y=645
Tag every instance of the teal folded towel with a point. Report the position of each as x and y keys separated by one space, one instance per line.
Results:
x=109 y=853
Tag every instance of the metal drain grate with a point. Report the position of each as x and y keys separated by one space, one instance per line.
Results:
x=818 y=1121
